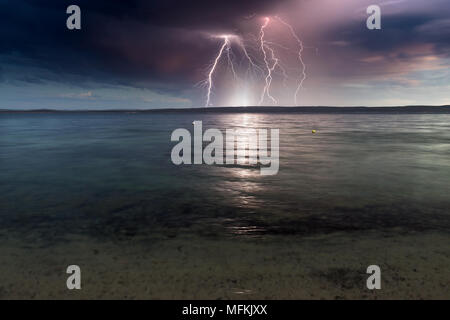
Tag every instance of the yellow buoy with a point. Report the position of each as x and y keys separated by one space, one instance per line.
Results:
x=314 y=131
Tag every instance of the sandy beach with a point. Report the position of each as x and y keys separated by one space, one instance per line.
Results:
x=413 y=267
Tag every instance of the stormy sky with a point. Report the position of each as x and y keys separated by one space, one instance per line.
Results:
x=157 y=54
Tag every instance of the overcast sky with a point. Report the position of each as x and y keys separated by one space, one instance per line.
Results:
x=155 y=54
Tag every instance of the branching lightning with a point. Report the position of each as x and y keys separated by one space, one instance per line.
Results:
x=230 y=60
x=263 y=63
x=269 y=69
x=225 y=44
x=300 y=58
x=248 y=57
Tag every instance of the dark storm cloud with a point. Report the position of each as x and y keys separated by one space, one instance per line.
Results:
x=123 y=42
x=166 y=46
x=405 y=39
x=186 y=14
x=397 y=31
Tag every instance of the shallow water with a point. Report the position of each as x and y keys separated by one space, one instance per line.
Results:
x=106 y=179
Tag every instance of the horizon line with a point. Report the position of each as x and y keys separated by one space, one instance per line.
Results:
x=244 y=109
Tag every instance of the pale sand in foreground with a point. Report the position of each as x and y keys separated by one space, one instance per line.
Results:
x=333 y=267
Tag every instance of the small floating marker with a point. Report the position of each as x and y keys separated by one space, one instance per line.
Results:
x=314 y=131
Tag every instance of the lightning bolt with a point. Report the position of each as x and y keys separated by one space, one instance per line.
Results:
x=268 y=79
x=230 y=60
x=270 y=65
x=250 y=60
x=226 y=43
x=300 y=57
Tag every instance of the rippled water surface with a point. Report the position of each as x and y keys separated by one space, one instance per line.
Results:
x=357 y=172
x=109 y=177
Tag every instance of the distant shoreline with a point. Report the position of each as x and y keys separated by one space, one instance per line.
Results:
x=339 y=110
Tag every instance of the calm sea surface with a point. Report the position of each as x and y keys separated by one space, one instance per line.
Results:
x=109 y=177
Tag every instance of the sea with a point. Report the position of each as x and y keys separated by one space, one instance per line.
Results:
x=99 y=190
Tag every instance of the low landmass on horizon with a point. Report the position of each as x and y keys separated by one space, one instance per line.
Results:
x=311 y=109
